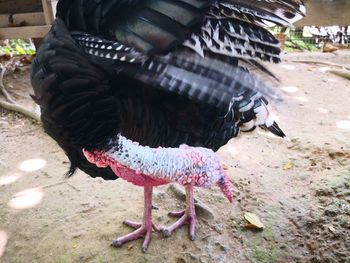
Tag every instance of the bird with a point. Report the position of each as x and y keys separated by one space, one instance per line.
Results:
x=149 y=90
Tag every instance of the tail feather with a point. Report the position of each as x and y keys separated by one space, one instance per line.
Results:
x=275 y=129
x=263 y=12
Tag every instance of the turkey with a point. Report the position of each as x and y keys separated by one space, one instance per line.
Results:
x=149 y=90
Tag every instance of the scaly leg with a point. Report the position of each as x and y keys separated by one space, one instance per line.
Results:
x=187 y=217
x=142 y=230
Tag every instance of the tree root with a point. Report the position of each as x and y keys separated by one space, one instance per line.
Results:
x=344 y=70
x=10 y=104
x=341 y=73
x=20 y=109
x=325 y=63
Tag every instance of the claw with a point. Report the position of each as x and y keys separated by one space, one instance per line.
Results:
x=140 y=232
x=184 y=219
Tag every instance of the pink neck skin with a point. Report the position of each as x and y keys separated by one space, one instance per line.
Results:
x=129 y=175
x=145 y=166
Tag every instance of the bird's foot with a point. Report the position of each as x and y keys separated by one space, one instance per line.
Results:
x=185 y=218
x=142 y=230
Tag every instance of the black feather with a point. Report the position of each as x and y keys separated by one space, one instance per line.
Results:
x=121 y=66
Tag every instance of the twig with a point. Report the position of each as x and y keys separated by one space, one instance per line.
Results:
x=75 y=188
x=11 y=104
x=322 y=63
x=52 y=185
x=3 y=90
x=20 y=109
x=341 y=73
x=60 y=183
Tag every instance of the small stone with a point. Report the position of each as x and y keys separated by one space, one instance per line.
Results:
x=206 y=238
x=331 y=211
x=332 y=229
x=204 y=259
x=77 y=235
x=219 y=228
x=221 y=246
x=220 y=258
x=193 y=257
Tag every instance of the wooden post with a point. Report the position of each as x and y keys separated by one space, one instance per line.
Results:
x=48 y=12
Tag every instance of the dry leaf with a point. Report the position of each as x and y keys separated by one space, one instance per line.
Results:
x=289 y=165
x=254 y=221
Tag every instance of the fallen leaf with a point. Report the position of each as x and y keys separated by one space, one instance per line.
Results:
x=254 y=221
x=289 y=165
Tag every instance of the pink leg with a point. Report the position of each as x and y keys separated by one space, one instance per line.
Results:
x=187 y=217
x=142 y=230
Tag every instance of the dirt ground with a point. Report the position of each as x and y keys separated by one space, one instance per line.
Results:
x=299 y=187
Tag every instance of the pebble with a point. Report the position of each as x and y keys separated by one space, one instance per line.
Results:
x=180 y=260
x=222 y=246
x=193 y=257
x=206 y=238
x=204 y=259
x=219 y=228
x=331 y=211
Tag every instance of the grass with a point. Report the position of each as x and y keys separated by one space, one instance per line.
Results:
x=265 y=248
x=294 y=44
x=15 y=47
x=296 y=41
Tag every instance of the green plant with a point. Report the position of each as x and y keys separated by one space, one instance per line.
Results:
x=14 y=47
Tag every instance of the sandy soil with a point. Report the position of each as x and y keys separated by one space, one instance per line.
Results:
x=300 y=189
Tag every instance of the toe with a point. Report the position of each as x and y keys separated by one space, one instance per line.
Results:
x=146 y=241
x=132 y=224
x=166 y=232
x=116 y=243
x=176 y=214
x=155 y=228
x=192 y=229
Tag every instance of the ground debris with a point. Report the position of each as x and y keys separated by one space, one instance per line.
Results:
x=289 y=165
x=253 y=221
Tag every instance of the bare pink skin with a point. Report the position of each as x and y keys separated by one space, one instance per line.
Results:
x=142 y=230
x=129 y=175
x=188 y=216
